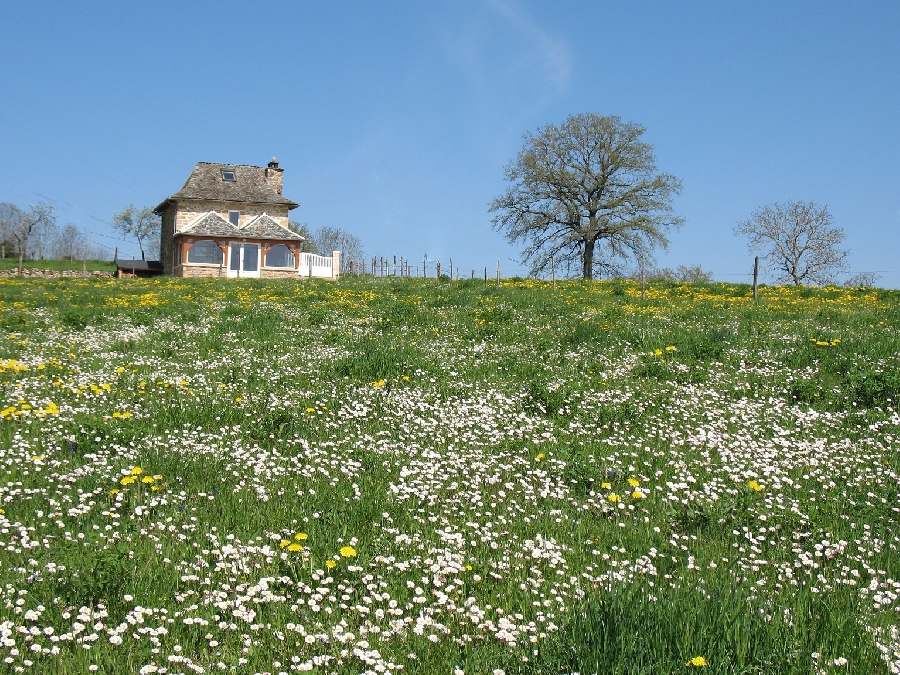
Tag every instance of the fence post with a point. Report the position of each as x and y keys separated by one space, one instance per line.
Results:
x=498 y=274
x=438 y=271
x=553 y=270
x=755 y=277
x=335 y=265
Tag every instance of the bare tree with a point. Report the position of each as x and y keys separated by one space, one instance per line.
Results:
x=35 y=219
x=798 y=239
x=586 y=194
x=863 y=280
x=142 y=224
x=70 y=243
x=694 y=274
x=10 y=216
x=309 y=245
x=327 y=239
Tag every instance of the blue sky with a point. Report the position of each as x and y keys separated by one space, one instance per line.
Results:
x=393 y=120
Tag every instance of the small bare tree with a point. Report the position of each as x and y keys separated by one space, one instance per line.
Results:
x=798 y=239
x=327 y=239
x=142 y=224
x=36 y=219
x=70 y=244
x=10 y=215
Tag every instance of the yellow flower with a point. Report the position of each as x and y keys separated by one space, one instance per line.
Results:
x=613 y=498
x=157 y=477
x=301 y=536
x=285 y=542
x=657 y=352
x=406 y=378
x=348 y=552
x=310 y=410
x=120 y=370
x=634 y=482
x=37 y=458
x=136 y=471
x=697 y=661
x=606 y=486
x=540 y=456
x=114 y=492
x=637 y=494
x=670 y=348
x=128 y=480
x=755 y=486
x=51 y=409
x=147 y=479
x=378 y=383
x=238 y=399
x=295 y=547
x=330 y=564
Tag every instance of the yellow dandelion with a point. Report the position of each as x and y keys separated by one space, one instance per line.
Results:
x=540 y=456
x=310 y=410
x=147 y=479
x=753 y=485
x=606 y=486
x=136 y=471
x=285 y=542
x=637 y=494
x=348 y=552
x=114 y=492
x=128 y=480
x=670 y=348
x=330 y=564
x=301 y=536
x=613 y=498
x=634 y=482
x=295 y=547
x=657 y=352
x=697 y=661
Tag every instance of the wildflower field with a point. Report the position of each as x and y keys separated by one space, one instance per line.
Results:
x=407 y=475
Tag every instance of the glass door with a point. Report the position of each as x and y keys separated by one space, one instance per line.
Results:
x=243 y=260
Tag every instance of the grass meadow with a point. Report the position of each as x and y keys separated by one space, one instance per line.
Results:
x=428 y=477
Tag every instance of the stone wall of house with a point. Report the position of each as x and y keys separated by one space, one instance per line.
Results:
x=189 y=210
x=166 y=247
x=200 y=271
x=268 y=273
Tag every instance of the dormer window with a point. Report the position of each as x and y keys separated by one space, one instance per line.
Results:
x=229 y=176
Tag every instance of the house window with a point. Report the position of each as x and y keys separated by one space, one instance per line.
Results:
x=229 y=176
x=205 y=253
x=279 y=256
x=234 y=217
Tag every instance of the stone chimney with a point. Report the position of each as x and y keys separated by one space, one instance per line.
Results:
x=275 y=176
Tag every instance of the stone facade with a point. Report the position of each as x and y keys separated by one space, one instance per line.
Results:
x=220 y=189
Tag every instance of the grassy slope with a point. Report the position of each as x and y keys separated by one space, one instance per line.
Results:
x=533 y=478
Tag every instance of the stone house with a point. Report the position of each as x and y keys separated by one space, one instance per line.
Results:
x=231 y=220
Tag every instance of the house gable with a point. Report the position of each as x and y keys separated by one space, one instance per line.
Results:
x=210 y=224
x=266 y=227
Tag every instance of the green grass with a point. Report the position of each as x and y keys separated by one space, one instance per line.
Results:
x=12 y=263
x=528 y=479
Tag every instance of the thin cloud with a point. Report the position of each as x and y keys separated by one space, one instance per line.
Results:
x=554 y=57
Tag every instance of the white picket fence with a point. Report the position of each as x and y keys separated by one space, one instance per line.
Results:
x=320 y=266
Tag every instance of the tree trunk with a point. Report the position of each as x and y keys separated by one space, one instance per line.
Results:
x=587 y=268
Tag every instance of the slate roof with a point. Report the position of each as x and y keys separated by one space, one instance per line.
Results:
x=211 y=224
x=206 y=183
x=151 y=265
x=265 y=227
